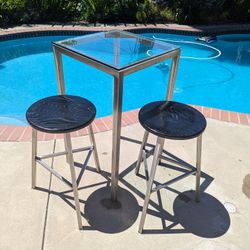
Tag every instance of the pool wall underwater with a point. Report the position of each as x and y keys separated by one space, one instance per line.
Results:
x=23 y=133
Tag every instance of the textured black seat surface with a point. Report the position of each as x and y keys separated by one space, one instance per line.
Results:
x=172 y=120
x=61 y=114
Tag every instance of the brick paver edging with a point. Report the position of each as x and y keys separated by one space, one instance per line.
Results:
x=23 y=133
x=38 y=30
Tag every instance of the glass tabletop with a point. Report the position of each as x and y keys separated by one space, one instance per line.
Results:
x=117 y=49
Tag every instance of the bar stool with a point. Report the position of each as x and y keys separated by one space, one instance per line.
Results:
x=62 y=114
x=175 y=121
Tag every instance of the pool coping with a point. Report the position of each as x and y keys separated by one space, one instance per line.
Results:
x=40 y=29
x=13 y=133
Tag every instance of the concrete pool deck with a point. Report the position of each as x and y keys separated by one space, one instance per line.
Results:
x=44 y=218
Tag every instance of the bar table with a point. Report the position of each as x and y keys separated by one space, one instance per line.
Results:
x=118 y=53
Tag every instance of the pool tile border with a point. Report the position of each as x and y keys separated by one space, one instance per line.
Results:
x=12 y=133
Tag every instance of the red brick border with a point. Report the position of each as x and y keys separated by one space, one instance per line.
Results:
x=13 y=133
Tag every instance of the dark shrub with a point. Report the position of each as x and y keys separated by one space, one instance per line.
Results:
x=144 y=11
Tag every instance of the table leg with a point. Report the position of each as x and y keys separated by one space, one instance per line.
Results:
x=172 y=77
x=116 y=136
x=171 y=82
x=60 y=78
x=59 y=71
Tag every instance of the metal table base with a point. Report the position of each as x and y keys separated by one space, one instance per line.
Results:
x=118 y=75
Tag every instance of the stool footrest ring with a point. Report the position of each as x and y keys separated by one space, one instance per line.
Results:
x=178 y=178
x=64 y=152
x=52 y=171
x=39 y=159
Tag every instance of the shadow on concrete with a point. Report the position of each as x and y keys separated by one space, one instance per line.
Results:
x=101 y=213
x=67 y=195
x=246 y=186
x=108 y=216
x=207 y=218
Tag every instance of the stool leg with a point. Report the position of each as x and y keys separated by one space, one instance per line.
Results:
x=65 y=145
x=150 y=182
x=143 y=144
x=33 y=155
x=68 y=145
x=92 y=141
x=198 y=167
x=161 y=149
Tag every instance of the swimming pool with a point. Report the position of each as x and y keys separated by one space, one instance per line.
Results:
x=215 y=75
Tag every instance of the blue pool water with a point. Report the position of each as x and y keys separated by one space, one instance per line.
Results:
x=217 y=76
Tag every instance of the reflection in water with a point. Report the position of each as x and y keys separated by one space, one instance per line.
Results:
x=69 y=42
x=164 y=68
x=12 y=52
x=235 y=49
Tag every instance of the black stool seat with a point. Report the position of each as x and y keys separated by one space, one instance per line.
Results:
x=61 y=114
x=172 y=120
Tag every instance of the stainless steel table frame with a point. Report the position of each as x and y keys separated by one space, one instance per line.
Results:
x=118 y=75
